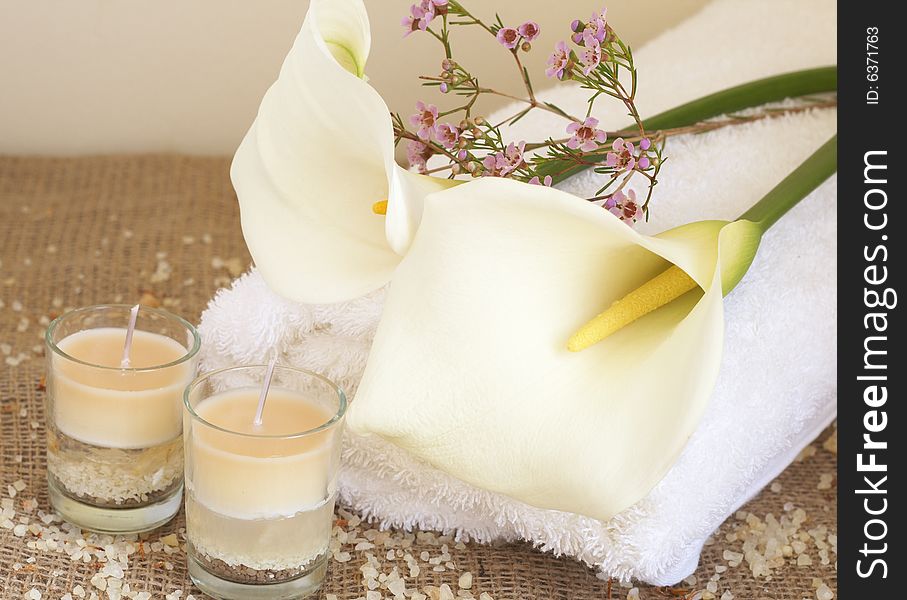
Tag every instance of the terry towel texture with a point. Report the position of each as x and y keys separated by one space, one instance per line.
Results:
x=776 y=390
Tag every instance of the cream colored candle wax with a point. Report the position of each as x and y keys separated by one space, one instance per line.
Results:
x=130 y=408
x=259 y=496
x=260 y=473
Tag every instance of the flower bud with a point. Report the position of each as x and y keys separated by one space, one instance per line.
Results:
x=444 y=88
x=577 y=25
x=479 y=121
x=455 y=169
x=526 y=47
x=448 y=65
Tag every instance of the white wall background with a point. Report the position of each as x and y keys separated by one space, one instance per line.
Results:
x=108 y=76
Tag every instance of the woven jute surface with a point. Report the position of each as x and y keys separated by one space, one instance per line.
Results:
x=82 y=231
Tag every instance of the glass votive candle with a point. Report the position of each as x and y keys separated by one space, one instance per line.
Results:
x=114 y=445
x=260 y=497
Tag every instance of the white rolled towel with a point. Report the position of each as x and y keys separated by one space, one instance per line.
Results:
x=777 y=386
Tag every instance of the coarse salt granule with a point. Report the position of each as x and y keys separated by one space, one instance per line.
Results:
x=465 y=581
x=824 y=593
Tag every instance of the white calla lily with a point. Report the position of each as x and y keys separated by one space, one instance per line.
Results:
x=318 y=156
x=470 y=371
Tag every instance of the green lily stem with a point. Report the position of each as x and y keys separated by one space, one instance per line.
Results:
x=747 y=95
x=821 y=165
x=755 y=93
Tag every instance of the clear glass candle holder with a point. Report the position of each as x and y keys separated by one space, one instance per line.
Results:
x=114 y=444
x=260 y=497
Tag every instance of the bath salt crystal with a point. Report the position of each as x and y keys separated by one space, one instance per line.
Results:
x=397 y=587
x=727 y=596
x=66 y=596
x=79 y=591
x=98 y=581
x=824 y=593
x=825 y=480
x=831 y=444
x=633 y=594
x=465 y=581
x=712 y=586
x=415 y=596
x=372 y=595
x=446 y=592
x=776 y=487
x=485 y=596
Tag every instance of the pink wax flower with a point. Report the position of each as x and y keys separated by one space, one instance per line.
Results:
x=410 y=24
x=559 y=61
x=421 y=15
x=546 y=182
x=424 y=119
x=597 y=26
x=644 y=161
x=447 y=135
x=529 y=30
x=592 y=55
x=418 y=154
x=503 y=163
x=624 y=206
x=509 y=37
x=622 y=158
x=586 y=135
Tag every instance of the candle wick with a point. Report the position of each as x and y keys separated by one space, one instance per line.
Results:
x=130 y=330
x=264 y=392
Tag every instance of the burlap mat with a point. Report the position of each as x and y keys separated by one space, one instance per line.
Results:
x=82 y=231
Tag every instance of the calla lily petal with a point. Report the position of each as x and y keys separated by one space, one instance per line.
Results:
x=318 y=156
x=469 y=369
